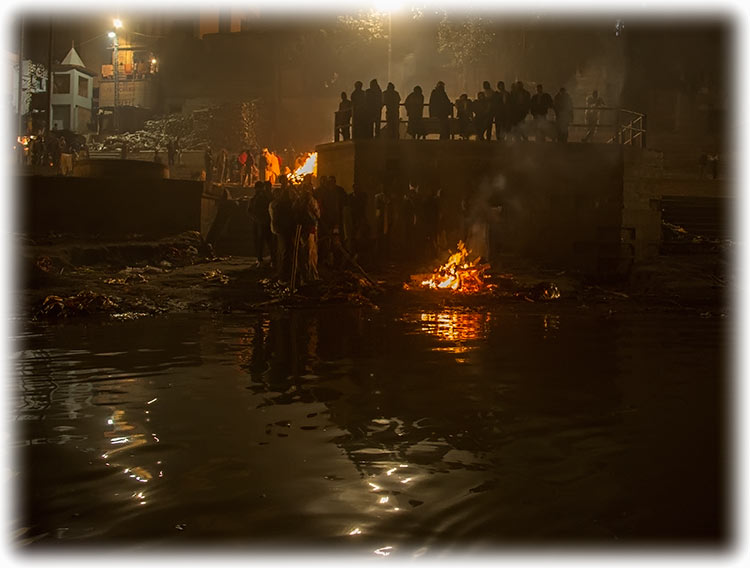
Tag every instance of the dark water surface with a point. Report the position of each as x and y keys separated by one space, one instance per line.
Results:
x=386 y=433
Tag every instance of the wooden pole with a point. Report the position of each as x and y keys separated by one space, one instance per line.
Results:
x=50 y=45
x=21 y=129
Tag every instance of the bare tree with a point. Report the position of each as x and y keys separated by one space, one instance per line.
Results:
x=467 y=41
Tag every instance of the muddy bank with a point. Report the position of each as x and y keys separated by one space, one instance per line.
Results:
x=63 y=277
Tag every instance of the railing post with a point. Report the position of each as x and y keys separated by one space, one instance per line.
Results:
x=644 y=128
x=618 y=126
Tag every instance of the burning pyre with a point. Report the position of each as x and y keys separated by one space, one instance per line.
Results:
x=459 y=274
x=309 y=167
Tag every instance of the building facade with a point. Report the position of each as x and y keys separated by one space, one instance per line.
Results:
x=72 y=94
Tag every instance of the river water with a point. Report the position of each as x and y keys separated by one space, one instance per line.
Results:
x=401 y=432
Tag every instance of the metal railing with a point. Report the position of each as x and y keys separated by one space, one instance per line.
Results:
x=631 y=128
x=612 y=126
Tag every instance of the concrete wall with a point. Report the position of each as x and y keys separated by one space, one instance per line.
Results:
x=561 y=203
x=111 y=207
x=118 y=168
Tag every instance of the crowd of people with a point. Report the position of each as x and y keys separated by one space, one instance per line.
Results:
x=495 y=113
x=54 y=151
x=248 y=166
x=300 y=225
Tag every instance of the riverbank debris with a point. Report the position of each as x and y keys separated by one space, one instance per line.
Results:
x=84 y=303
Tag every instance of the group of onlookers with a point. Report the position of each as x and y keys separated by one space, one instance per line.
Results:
x=495 y=113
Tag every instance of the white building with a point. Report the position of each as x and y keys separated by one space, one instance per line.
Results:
x=72 y=94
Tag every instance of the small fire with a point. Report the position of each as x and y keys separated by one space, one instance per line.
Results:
x=458 y=273
x=309 y=167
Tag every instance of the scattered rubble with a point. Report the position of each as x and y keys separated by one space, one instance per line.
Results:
x=344 y=287
x=231 y=125
x=216 y=276
x=84 y=303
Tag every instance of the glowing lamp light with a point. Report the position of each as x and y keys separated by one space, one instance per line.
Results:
x=117 y=23
x=153 y=61
x=111 y=35
x=387 y=6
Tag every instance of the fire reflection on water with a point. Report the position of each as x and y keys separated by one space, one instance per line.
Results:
x=455 y=326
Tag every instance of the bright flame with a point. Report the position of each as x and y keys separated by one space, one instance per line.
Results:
x=458 y=274
x=309 y=167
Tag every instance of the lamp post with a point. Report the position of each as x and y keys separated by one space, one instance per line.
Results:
x=390 y=47
x=115 y=45
x=388 y=7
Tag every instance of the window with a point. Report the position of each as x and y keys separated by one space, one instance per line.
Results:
x=83 y=87
x=61 y=84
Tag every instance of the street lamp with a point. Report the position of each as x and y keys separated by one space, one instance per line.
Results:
x=115 y=45
x=388 y=7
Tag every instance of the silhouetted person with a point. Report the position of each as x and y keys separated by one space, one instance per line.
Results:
x=563 y=114
x=359 y=112
x=411 y=212
x=360 y=229
x=441 y=108
x=431 y=217
x=343 y=118
x=520 y=103
x=391 y=100
x=374 y=103
x=501 y=103
x=170 y=152
x=307 y=215
x=208 y=163
x=489 y=118
x=283 y=226
x=242 y=161
x=225 y=209
x=481 y=111
x=540 y=105
x=261 y=219
x=463 y=113
x=414 y=104
x=273 y=167
x=593 y=103
x=384 y=223
x=221 y=167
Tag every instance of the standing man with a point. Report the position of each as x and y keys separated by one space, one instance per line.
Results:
x=308 y=217
x=414 y=104
x=489 y=117
x=261 y=218
x=563 y=114
x=441 y=108
x=480 y=109
x=593 y=103
x=272 y=166
x=343 y=118
x=242 y=162
x=463 y=112
x=374 y=103
x=222 y=166
x=282 y=226
x=170 y=152
x=541 y=102
x=359 y=112
x=391 y=100
x=208 y=162
x=502 y=111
